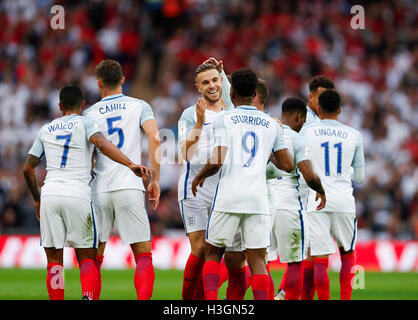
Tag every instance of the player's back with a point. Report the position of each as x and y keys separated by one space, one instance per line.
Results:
x=284 y=186
x=120 y=118
x=68 y=155
x=251 y=136
x=335 y=148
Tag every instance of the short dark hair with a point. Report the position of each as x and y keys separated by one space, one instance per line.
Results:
x=109 y=72
x=293 y=104
x=329 y=101
x=204 y=67
x=244 y=82
x=71 y=97
x=262 y=91
x=320 y=81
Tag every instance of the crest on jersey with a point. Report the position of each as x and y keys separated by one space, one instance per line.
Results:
x=191 y=220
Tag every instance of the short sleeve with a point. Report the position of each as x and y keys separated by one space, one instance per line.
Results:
x=146 y=113
x=186 y=123
x=358 y=159
x=220 y=133
x=90 y=127
x=301 y=149
x=279 y=142
x=37 y=148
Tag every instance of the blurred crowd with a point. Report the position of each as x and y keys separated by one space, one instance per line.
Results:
x=284 y=42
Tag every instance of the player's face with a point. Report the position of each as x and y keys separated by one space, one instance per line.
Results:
x=209 y=84
x=313 y=99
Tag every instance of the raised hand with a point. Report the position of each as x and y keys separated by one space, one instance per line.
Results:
x=200 y=112
x=219 y=64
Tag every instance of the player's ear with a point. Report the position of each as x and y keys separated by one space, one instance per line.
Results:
x=83 y=103
x=60 y=105
x=99 y=83
x=122 y=81
x=197 y=87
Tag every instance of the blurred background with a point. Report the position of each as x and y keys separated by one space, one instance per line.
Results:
x=161 y=42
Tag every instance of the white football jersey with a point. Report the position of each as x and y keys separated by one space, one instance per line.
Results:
x=65 y=144
x=200 y=158
x=283 y=187
x=120 y=118
x=251 y=136
x=335 y=148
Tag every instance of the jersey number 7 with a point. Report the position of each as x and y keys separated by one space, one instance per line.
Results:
x=67 y=139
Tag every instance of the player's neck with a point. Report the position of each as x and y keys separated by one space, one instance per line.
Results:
x=329 y=117
x=111 y=92
x=70 y=112
x=214 y=106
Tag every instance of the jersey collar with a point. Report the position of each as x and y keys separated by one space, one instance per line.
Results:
x=330 y=121
x=113 y=96
x=246 y=107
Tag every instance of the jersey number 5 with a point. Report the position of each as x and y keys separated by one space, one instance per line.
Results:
x=339 y=148
x=67 y=139
x=251 y=151
x=112 y=129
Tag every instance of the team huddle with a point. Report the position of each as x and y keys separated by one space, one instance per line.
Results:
x=253 y=188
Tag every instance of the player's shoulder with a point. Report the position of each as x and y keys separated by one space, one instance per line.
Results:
x=188 y=113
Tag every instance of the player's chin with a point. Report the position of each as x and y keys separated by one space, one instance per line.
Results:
x=213 y=97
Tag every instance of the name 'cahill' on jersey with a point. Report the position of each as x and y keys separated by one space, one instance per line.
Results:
x=335 y=148
x=251 y=136
x=68 y=152
x=120 y=118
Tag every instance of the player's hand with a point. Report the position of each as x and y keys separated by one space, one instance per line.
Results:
x=140 y=170
x=323 y=201
x=197 y=182
x=200 y=111
x=38 y=210
x=154 y=193
x=219 y=64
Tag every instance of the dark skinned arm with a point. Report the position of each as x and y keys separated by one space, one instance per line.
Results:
x=313 y=181
x=29 y=173
x=283 y=160
x=212 y=167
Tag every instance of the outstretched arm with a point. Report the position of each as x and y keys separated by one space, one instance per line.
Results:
x=110 y=150
x=29 y=173
x=212 y=167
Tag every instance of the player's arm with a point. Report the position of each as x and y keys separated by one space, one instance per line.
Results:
x=212 y=167
x=217 y=157
x=358 y=162
x=188 y=146
x=111 y=151
x=313 y=181
x=154 y=153
x=282 y=158
x=29 y=173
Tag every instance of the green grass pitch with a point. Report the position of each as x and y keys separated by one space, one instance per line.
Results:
x=29 y=284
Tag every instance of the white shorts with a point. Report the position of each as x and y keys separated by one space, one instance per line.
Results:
x=288 y=236
x=67 y=222
x=326 y=226
x=195 y=213
x=224 y=226
x=126 y=209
